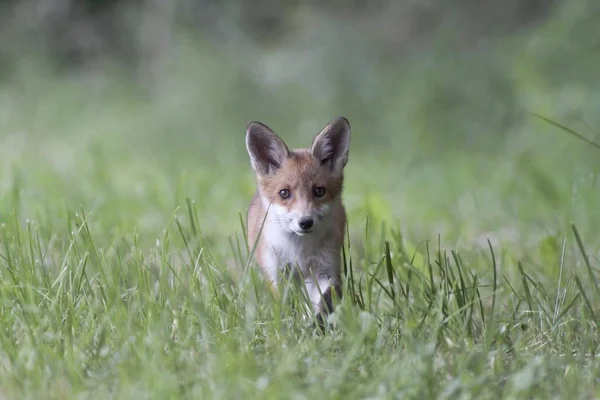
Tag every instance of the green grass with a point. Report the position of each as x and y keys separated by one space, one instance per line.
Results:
x=98 y=315
x=469 y=272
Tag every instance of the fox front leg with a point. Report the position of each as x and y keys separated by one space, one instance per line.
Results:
x=321 y=293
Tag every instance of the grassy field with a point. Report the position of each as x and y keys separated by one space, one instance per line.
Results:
x=471 y=269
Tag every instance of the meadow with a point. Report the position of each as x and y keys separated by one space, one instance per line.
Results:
x=471 y=266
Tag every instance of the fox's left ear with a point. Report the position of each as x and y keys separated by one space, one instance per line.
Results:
x=331 y=146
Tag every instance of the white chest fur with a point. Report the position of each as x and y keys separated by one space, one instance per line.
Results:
x=311 y=254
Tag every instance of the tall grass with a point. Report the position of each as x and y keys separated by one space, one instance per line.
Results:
x=94 y=315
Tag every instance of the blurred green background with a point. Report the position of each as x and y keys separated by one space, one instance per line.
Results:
x=128 y=108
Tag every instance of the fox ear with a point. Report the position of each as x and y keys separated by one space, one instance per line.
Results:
x=267 y=151
x=331 y=146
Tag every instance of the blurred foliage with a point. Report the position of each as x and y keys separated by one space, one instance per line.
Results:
x=75 y=31
x=459 y=73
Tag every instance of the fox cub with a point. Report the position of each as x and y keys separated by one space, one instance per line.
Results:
x=299 y=199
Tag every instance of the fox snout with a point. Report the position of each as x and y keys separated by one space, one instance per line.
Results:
x=306 y=223
x=302 y=222
x=302 y=226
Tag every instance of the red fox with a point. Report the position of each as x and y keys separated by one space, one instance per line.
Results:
x=298 y=204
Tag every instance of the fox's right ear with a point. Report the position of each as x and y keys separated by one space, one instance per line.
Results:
x=267 y=151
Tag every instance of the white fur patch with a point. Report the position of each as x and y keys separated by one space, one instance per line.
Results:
x=315 y=291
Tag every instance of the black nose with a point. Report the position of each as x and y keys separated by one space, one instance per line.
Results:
x=306 y=223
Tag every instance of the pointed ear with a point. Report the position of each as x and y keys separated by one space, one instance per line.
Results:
x=267 y=151
x=331 y=146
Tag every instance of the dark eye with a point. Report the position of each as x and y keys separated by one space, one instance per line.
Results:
x=319 y=191
x=284 y=193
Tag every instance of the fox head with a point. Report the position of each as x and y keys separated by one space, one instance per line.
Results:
x=300 y=186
